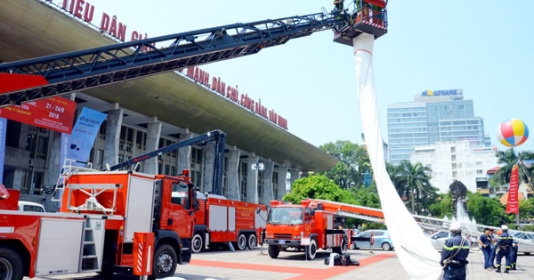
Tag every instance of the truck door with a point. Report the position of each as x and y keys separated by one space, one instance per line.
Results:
x=181 y=210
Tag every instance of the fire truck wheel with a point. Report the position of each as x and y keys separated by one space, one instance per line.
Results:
x=10 y=264
x=252 y=241
x=274 y=250
x=165 y=261
x=197 y=243
x=241 y=242
x=311 y=250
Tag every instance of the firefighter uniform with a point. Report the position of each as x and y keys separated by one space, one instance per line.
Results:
x=454 y=256
x=503 y=246
x=513 y=255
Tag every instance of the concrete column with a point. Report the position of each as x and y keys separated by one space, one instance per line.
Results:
x=282 y=181
x=53 y=161
x=232 y=175
x=252 y=181
x=152 y=142
x=209 y=160
x=295 y=174
x=113 y=132
x=184 y=154
x=267 y=192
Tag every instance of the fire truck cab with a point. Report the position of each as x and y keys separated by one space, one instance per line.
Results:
x=303 y=227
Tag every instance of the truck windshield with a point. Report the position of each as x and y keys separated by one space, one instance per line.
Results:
x=285 y=215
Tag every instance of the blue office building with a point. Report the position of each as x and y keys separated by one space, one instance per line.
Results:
x=434 y=115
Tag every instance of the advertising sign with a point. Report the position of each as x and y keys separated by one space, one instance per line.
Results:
x=512 y=206
x=54 y=113
x=78 y=145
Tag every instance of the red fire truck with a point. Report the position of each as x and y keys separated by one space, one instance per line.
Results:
x=94 y=233
x=99 y=214
x=311 y=225
x=225 y=221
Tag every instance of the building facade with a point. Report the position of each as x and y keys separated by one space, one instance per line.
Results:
x=455 y=161
x=144 y=115
x=440 y=115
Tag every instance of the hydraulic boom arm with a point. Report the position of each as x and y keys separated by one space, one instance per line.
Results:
x=95 y=67
x=217 y=136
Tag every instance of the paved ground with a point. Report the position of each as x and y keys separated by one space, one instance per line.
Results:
x=256 y=264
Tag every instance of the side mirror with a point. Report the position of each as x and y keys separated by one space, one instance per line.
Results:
x=258 y=210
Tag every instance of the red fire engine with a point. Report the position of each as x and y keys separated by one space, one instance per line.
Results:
x=311 y=225
x=221 y=220
x=99 y=215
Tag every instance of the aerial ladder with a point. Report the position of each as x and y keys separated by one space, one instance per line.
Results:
x=428 y=224
x=53 y=75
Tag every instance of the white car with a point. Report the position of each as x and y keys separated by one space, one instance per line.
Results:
x=525 y=241
x=31 y=206
x=438 y=239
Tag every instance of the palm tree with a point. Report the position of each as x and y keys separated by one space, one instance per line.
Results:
x=412 y=182
x=508 y=159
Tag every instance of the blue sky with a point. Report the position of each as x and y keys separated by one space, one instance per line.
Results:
x=484 y=48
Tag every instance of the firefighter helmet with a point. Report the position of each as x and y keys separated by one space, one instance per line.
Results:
x=455 y=227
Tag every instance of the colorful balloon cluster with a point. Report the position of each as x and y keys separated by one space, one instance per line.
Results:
x=512 y=133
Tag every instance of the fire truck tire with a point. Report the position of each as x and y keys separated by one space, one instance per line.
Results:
x=311 y=250
x=165 y=262
x=274 y=250
x=10 y=264
x=197 y=243
x=241 y=242
x=252 y=241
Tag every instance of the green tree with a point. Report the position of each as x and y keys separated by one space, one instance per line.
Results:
x=526 y=209
x=317 y=186
x=487 y=211
x=412 y=182
x=353 y=163
x=443 y=207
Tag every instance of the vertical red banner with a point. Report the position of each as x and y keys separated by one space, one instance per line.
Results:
x=512 y=206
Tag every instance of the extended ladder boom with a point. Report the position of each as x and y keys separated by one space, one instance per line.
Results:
x=347 y=210
x=376 y=215
x=62 y=73
x=91 y=68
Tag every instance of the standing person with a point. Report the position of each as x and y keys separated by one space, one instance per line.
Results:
x=338 y=4
x=493 y=249
x=503 y=249
x=454 y=254
x=513 y=255
x=484 y=241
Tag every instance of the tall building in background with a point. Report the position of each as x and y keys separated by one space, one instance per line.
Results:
x=434 y=115
x=457 y=161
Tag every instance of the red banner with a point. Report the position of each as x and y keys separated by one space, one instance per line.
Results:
x=512 y=206
x=54 y=113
